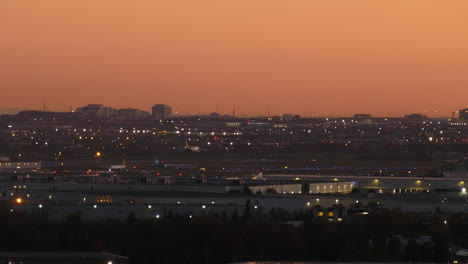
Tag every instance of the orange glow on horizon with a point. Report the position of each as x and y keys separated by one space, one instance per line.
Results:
x=306 y=57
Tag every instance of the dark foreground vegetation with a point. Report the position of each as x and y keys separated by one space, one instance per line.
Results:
x=388 y=236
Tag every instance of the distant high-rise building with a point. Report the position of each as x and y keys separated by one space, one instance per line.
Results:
x=463 y=114
x=161 y=111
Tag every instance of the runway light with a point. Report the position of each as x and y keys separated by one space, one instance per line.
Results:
x=157 y=216
x=203 y=206
x=18 y=200
x=40 y=206
x=95 y=206
x=149 y=206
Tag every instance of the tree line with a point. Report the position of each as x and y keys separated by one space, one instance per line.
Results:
x=247 y=235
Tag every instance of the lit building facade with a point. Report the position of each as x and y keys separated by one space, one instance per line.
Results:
x=26 y=165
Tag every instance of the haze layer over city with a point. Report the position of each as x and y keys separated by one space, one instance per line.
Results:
x=232 y=132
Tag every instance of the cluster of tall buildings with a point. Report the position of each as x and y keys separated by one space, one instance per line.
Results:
x=158 y=112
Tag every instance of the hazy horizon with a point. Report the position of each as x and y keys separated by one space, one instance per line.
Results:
x=312 y=58
x=240 y=115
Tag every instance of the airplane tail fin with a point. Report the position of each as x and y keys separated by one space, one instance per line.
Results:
x=259 y=176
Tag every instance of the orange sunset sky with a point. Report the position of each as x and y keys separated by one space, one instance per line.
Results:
x=307 y=57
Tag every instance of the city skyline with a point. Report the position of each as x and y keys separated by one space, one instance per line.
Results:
x=235 y=112
x=313 y=58
x=233 y=131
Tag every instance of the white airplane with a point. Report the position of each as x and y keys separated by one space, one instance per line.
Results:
x=191 y=148
x=258 y=176
x=122 y=166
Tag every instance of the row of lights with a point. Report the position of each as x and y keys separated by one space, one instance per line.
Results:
x=318 y=200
